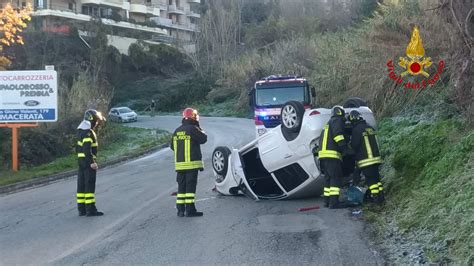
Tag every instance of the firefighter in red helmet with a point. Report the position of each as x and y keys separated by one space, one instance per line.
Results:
x=185 y=143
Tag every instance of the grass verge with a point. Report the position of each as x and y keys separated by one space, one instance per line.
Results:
x=126 y=141
x=429 y=176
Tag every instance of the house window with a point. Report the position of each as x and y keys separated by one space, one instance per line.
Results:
x=170 y=2
x=71 y=6
x=40 y=3
x=23 y=4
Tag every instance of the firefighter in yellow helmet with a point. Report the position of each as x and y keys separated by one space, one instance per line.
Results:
x=86 y=149
x=367 y=154
x=185 y=143
x=332 y=145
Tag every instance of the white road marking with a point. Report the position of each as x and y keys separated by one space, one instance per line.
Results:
x=205 y=199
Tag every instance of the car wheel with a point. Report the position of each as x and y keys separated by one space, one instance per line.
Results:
x=220 y=160
x=120 y=120
x=291 y=119
x=354 y=102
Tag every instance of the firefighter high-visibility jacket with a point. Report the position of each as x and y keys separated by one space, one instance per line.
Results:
x=86 y=146
x=365 y=145
x=186 y=143
x=332 y=141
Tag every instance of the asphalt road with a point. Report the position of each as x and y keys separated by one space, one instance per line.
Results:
x=40 y=226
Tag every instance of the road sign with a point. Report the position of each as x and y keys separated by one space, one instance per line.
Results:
x=28 y=96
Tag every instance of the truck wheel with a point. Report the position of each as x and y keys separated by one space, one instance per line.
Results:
x=354 y=102
x=291 y=119
x=220 y=160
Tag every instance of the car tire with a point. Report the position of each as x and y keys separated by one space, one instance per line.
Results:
x=355 y=102
x=291 y=119
x=220 y=160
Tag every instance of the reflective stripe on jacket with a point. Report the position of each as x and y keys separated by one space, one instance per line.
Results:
x=185 y=143
x=332 y=139
x=365 y=145
x=86 y=146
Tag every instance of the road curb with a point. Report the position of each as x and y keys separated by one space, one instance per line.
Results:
x=45 y=180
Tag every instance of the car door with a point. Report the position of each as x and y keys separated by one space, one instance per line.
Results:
x=114 y=115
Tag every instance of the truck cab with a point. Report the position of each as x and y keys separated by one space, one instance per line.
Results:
x=270 y=93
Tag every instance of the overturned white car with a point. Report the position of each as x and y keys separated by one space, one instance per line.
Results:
x=281 y=164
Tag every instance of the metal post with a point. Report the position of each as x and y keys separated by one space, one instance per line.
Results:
x=15 y=149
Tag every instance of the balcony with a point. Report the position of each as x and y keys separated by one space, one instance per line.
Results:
x=184 y=26
x=153 y=11
x=172 y=9
x=162 y=6
x=194 y=1
x=105 y=21
x=110 y=3
x=164 y=39
x=61 y=13
x=138 y=8
x=162 y=21
x=193 y=14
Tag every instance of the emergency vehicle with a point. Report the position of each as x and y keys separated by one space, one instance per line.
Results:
x=270 y=93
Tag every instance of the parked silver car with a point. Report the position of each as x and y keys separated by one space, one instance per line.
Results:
x=122 y=114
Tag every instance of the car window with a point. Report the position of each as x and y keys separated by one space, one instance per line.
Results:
x=124 y=110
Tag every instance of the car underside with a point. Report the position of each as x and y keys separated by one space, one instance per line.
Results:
x=282 y=163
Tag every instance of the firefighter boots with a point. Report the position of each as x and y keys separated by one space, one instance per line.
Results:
x=194 y=214
x=181 y=209
x=191 y=211
x=91 y=210
x=334 y=203
x=95 y=213
x=81 y=208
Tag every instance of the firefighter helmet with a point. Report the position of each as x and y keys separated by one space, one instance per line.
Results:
x=338 y=111
x=190 y=113
x=355 y=116
x=93 y=116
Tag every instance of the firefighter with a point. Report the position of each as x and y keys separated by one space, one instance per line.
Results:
x=186 y=143
x=86 y=149
x=367 y=154
x=332 y=144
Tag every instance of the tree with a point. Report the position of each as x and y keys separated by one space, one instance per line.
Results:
x=12 y=23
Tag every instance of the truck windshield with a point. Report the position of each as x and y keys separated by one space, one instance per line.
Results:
x=279 y=95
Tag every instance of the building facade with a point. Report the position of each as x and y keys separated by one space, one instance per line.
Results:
x=164 y=21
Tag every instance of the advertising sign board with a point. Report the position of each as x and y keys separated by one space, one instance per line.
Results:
x=28 y=96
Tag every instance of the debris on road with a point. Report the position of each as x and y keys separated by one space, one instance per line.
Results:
x=316 y=207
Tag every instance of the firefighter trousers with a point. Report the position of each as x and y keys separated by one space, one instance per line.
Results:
x=332 y=169
x=86 y=187
x=187 y=182
x=372 y=178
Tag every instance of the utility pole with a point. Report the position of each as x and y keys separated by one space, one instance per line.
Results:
x=240 y=21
